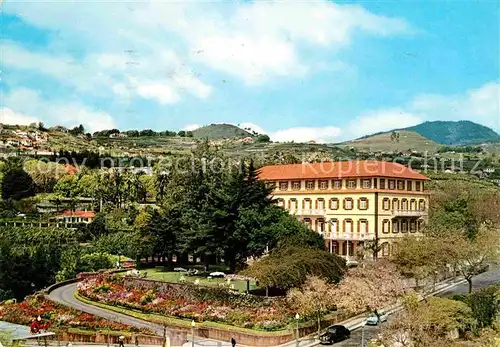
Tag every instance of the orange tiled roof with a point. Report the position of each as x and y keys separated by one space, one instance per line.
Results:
x=339 y=169
x=70 y=169
x=83 y=214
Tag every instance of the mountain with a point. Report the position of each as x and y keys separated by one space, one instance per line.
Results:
x=401 y=140
x=455 y=132
x=220 y=131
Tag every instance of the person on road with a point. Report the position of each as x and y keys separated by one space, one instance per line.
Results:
x=233 y=342
x=120 y=339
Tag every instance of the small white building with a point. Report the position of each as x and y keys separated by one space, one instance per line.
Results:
x=70 y=217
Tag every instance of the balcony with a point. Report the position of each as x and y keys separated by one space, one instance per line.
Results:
x=408 y=213
x=308 y=212
x=348 y=236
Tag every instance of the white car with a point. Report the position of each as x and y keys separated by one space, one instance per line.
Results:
x=180 y=269
x=374 y=320
x=217 y=274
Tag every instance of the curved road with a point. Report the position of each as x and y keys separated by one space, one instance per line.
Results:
x=65 y=296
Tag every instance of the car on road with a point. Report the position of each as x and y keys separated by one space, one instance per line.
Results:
x=180 y=269
x=334 y=333
x=374 y=319
x=217 y=274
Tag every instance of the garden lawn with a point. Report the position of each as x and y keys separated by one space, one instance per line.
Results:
x=175 y=277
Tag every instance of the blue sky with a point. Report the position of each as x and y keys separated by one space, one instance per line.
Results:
x=318 y=70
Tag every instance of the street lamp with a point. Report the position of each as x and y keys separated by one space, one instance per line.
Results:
x=192 y=332
x=297 y=317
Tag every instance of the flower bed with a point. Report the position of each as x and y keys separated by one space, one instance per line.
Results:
x=58 y=316
x=188 y=301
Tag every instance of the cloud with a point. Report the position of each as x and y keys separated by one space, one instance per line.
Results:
x=191 y=127
x=380 y=120
x=8 y=116
x=480 y=105
x=305 y=134
x=253 y=41
x=28 y=102
x=252 y=127
x=160 y=76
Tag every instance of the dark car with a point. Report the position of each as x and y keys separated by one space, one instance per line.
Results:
x=334 y=333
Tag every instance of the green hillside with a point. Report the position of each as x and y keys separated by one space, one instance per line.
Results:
x=403 y=140
x=455 y=133
x=220 y=131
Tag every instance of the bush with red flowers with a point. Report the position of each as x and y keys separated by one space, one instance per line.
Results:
x=58 y=316
x=189 y=301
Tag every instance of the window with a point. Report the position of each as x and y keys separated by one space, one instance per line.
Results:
x=296 y=185
x=375 y=183
x=395 y=204
x=404 y=204
x=417 y=186
x=337 y=184
x=334 y=204
x=293 y=204
x=283 y=185
x=306 y=204
x=320 y=204
x=404 y=226
x=310 y=185
x=386 y=204
x=281 y=202
x=421 y=225
x=334 y=247
x=363 y=204
x=392 y=184
x=367 y=184
x=320 y=225
x=409 y=186
x=334 y=226
x=413 y=205
x=348 y=226
x=307 y=222
x=363 y=226
x=385 y=249
x=348 y=204
x=401 y=185
x=272 y=184
x=351 y=184
x=395 y=227
x=413 y=226
x=323 y=185
x=386 y=224
x=382 y=183
x=423 y=186
x=421 y=205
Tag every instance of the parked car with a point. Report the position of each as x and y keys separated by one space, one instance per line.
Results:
x=217 y=274
x=180 y=269
x=334 y=333
x=374 y=320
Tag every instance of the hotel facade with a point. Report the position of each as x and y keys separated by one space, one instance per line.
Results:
x=352 y=202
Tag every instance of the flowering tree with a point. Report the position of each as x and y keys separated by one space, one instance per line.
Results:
x=369 y=286
x=426 y=323
x=313 y=299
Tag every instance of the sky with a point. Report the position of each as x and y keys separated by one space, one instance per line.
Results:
x=296 y=70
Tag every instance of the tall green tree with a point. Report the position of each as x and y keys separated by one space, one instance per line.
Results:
x=17 y=184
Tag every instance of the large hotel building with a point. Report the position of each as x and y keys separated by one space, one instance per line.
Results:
x=351 y=202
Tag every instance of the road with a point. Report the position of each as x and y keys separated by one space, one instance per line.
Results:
x=480 y=281
x=65 y=296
